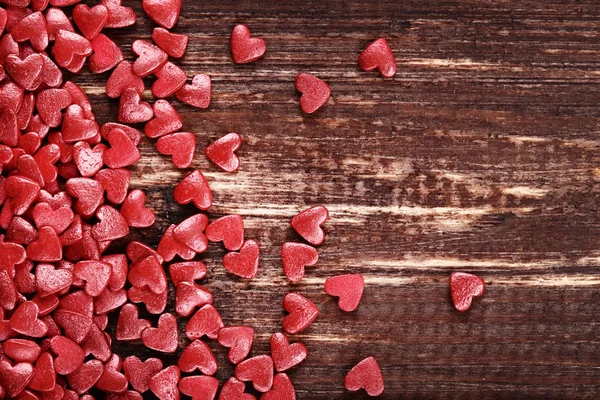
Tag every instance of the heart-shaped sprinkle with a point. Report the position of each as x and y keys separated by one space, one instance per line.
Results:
x=197 y=356
x=14 y=379
x=284 y=354
x=21 y=350
x=133 y=133
x=44 y=376
x=59 y=219
x=95 y=274
x=111 y=379
x=245 y=263
x=169 y=79
x=50 y=103
x=90 y=21
x=69 y=355
x=132 y=109
x=229 y=229
x=86 y=376
x=97 y=344
x=56 y=20
x=118 y=16
x=199 y=387
x=315 y=92
x=295 y=256
x=180 y=146
x=174 y=44
x=28 y=168
x=32 y=28
x=70 y=50
x=308 y=224
x=115 y=182
x=245 y=49
x=222 y=152
x=463 y=287
x=169 y=247
x=194 y=187
x=25 y=72
x=23 y=118
x=11 y=96
x=302 y=312
x=89 y=194
x=129 y=326
x=166 y=120
x=206 y=321
x=134 y=211
x=137 y=251
x=259 y=370
x=89 y=161
x=349 y=289
x=47 y=247
x=163 y=338
x=75 y=326
x=190 y=232
x=233 y=389
x=20 y=231
x=282 y=389
x=112 y=225
x=49 y=280
x=23 y=192
x=150 y=57
x=78 y=302
x=164 y=383
x=107 y=54
x=238 y=339
x=188 y=296
x=378 y=55
x=197 y=93
x=148 y=272
x=188 y=271
x=163 y=12
x=12 y=254
x=365 y=375
x=139 y=373
x=122 y=78
x=76 y=126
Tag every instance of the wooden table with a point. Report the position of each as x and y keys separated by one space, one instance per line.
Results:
x=481 y=155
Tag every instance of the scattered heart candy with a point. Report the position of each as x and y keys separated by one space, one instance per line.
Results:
x=284 y=354
x=150 y=57
x=349 y=289
x=206 y=321
x=169 y=79
x=463 y=287
x=135 y=212
x=302 y=312
x=129 y=326
x=180 y=146
x=164 y=383
x=188 y=296
x=378 y=55
x=197 y=355
x=233 y=389
x=228 y=229
x=174 y=44
x=245 y=263
x=238 y=339
x=139 y=373
x=315 y=92
x=163 y=12
x=199 y=387
x=194 y=188
x=163 y=338
x=295 y=256
x=222 y=152
x=245 y=49
x=282 y=389
x=365 y=375
x=308 y=224
x=132 y=109
x=166 y=120
x=258 y=370
x=197 y=93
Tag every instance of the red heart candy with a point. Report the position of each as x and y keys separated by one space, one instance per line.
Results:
x=257 y=369
x=190 y=232
x=112 y=225
x=229 y=229
x=118 y=16
x=282 y=389
x=222 y=152
x=164 y=383
x=20 y=231
x=131 y=109
x=75 y=326
x=129 y=326
x=89 y=194
x=199 y=387
x=169 y=247
x=25 y=72
x=56 y=20
x=50 y=281
x=238 y=339
x=166 y=120
x=163 y=12
x=180 y=146
x=86 y=247
x=115 y=182
x=111 y=379
x=378 y=55
x=349 y=289
x=55 y=201
x=69 y=355
x=308 y=224
x=314 y=91
x=11 y=96
x=28 y=168
x=47 y=247
x=24 y=279
x=137 y=251
x=21 y=350
x=86 y=376
x=9 y=133
x=109 y=301
x=365 y=375
x=284 y=354
x=78 y=302
x=44 y=376
x=70 y=50
x=89 y=161
x=8 y=292
x=245 y=263
x=76 y=126
x=133 y=133
x=194 y=187
x=32 y=28
x=23 y=192
x=50 y=103
x=197 y=93
x=148 y=272
x=174 y=44
x=188 y=296
x=295 y=256
x=234 y=390
x=170 y=78
x=189 y=271
x=15 y=378
x=97 y=344
x=90 y=21
x=80 y=98
x=95 y=274
x=206 y=321
x=122 y=78
x=106 y=56
x=197 y=355
x=150 y=58
x=134 y=212
x=245 y=49
x=139 y=373
x=463 y=287
x=302 y=313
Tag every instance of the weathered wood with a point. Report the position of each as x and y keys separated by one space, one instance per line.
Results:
x=481 y=155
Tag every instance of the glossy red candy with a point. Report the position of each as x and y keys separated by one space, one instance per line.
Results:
x=166 y=120
x=233 y=389
x=14 y=378
x=259 y=370
x=282 y=389
x=150 y=58
x=163 y=338
x=194 y=188
x=238 y=339
x=188 y=296
x=122 y=78
x=295 y=256
x=199 y=387
x=188 y=271
x=206 y=321
x=245 y=49
x=197 y=93
x=365 y=375
x=139 y=373
x=463 y=287
x=315 y=92
x=90 y=21
x=228 y=229
x=174 y=44
x=190 y=232
x=132 y=109
x=106 y=56
x=164 y=383
x=308 y=224
x=118 y=16
x=197 y=356
x=169 y=79
x=222 y=152
x=302 y=312
x=134 y=211
x=163 y=12
x=180 y=146
x=349 y=289
x=378 y=55
x=284 y=354
x=244 y=263
x=129 y=326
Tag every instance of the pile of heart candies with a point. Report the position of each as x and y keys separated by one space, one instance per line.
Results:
x=65 y=196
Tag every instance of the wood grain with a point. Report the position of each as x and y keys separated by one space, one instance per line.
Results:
x=481 y=155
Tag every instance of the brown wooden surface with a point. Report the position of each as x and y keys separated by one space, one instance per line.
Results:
x=481 y=155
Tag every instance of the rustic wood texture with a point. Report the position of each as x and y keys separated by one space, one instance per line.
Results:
x=481 y=155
